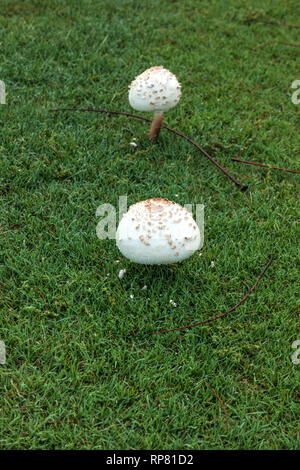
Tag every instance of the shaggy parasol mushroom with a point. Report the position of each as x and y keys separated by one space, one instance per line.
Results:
x=157 y=231
x=157 y=90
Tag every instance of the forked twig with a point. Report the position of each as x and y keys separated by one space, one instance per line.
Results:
x=265 y=166
x=120 y=113
x=228 y=311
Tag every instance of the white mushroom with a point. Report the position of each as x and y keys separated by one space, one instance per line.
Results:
x=157 y=231
x=156 y=90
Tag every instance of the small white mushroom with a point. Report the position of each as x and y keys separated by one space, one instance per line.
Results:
x=174 y=240
x=156 y=90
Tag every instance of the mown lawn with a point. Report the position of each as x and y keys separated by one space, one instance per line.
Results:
x=83 y=370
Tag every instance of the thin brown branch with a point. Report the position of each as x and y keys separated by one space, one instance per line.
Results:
x=262 y=45
x=222 y=404
x=240 y=185
x=275 y=23
x=275 y=42
x=265 y=166
x=61 y=422
x=290 y=44
x=228 y=311
x=120 y=113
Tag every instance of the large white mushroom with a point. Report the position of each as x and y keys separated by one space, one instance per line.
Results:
x=157 y=231
x=156 y=90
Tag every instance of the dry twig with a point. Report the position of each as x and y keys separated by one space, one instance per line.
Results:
x=120 y=113
x=265 y=166
x=228 y=311
x=275 y=42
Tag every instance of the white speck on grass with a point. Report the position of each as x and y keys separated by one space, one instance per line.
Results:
x=133 y=144
x=131 y=296
x=212 y=264
x=122 y=273
x=144 y=288
x=173 y=303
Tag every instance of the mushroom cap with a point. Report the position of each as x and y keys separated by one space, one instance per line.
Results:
x=156 y=89
x=157 y=231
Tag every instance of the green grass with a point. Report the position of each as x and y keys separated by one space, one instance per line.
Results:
x=78 y=347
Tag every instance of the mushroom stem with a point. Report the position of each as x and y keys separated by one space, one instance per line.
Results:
x=155 y=126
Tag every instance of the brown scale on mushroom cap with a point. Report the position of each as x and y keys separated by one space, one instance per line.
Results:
x=157 y=213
